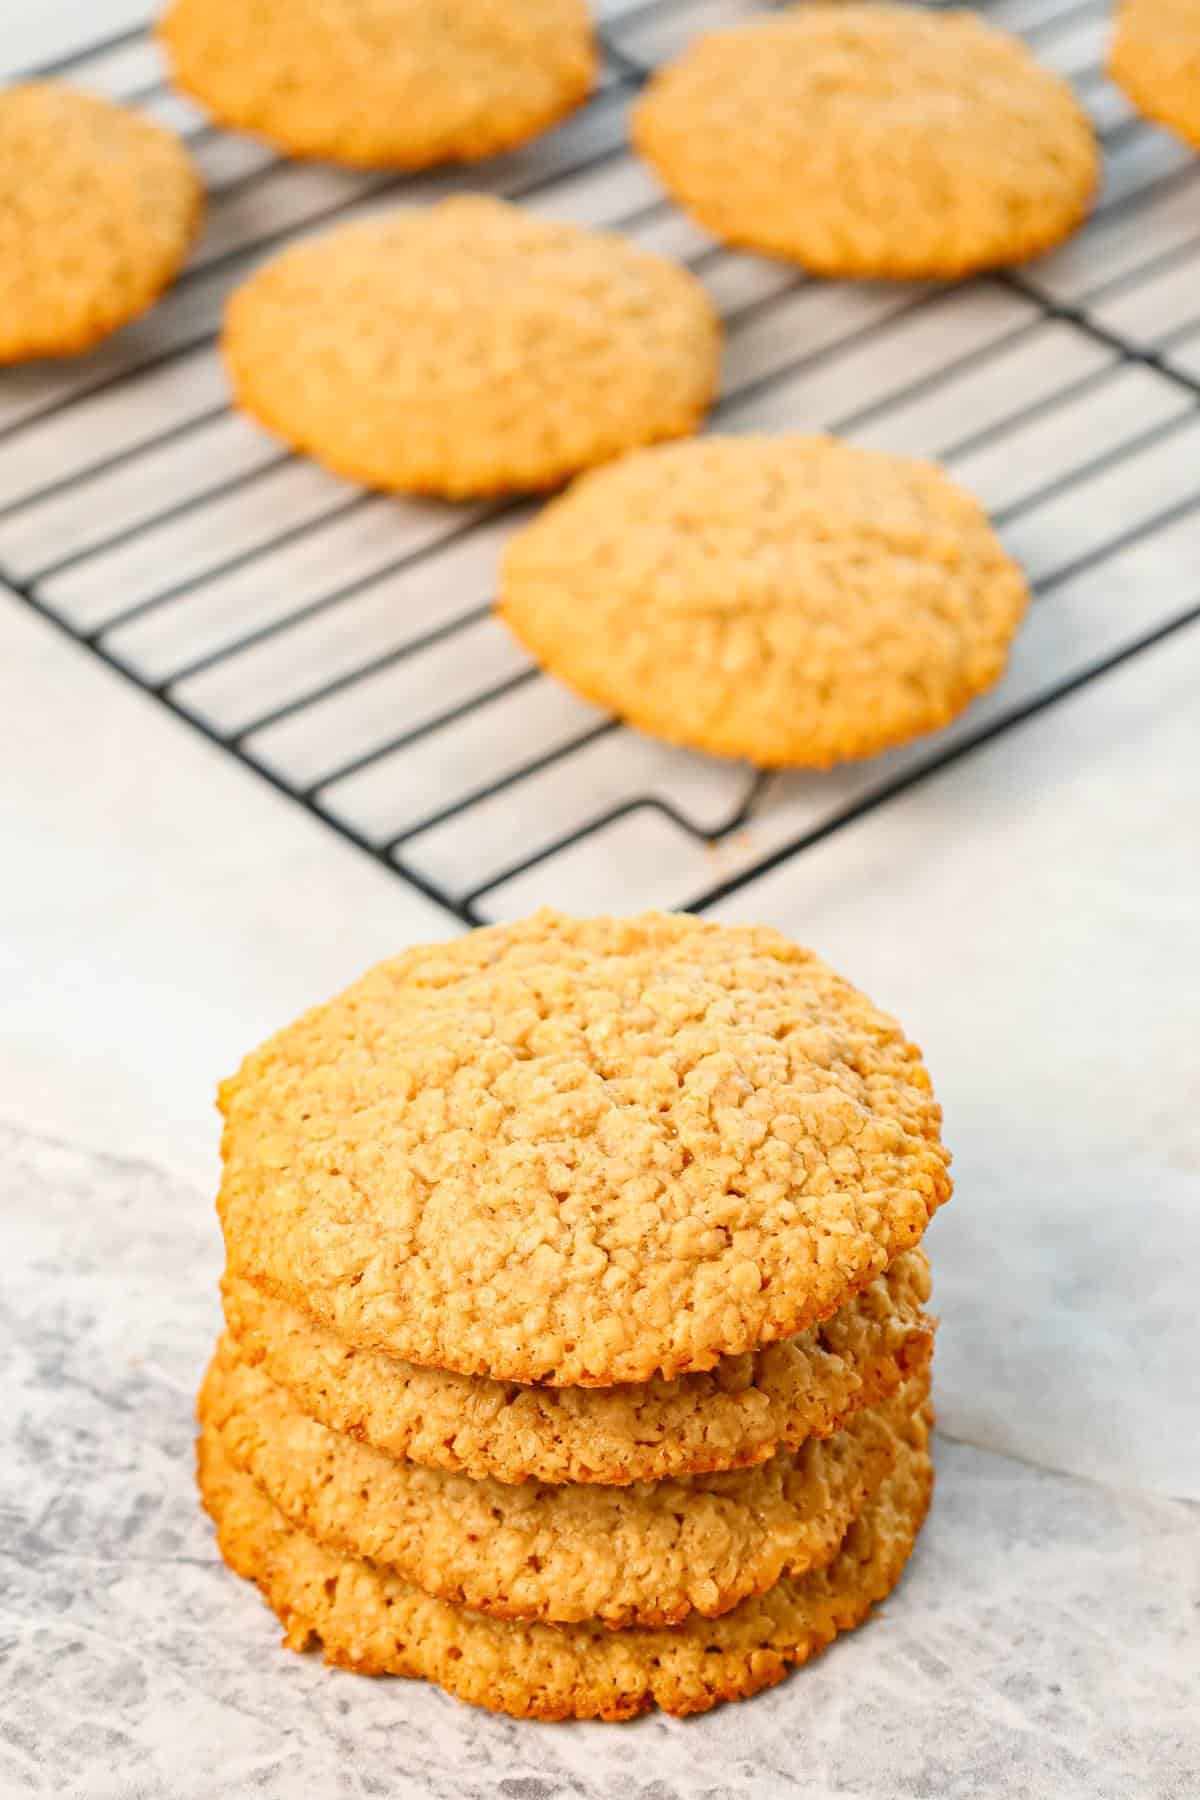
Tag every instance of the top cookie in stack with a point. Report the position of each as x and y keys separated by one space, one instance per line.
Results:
x=581 y=1151
x=572 y=1281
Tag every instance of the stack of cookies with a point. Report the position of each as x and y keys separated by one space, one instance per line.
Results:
x=575 y=1355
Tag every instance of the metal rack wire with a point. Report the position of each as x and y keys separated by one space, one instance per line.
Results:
x=340 y=644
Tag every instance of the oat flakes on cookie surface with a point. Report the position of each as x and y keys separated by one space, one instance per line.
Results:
x=647 y=1554
x=581 y=1151
x=470 y=349
x=1155 y=58
x=872 y=140
x=792 y=600
x=398 y=83
x=97 y=209
x=735 y=1415
x=372 y=1621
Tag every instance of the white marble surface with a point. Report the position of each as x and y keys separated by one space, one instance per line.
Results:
x=1031 y=913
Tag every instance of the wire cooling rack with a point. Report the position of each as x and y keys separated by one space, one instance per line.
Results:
x=340 y=644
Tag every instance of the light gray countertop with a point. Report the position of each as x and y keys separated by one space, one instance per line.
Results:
x=1031 y=913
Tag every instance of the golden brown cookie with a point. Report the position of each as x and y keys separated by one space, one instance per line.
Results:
x=1155 y=57
x=470 y=349
x=581 y=1151
x=377 y=1624
x=733 y=1417
x=97 y=209
x=791 y=600
x=404 y=83
x=647 y=1554
x=872 y=140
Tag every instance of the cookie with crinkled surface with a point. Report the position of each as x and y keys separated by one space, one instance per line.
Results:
x=872 y=140
x=401 y=83
x=736 y=1415
x=792 y=600
x=97 y=209
x=581 y=1151
x=374 y=1622
x=648 y=1554
x=470 y=349
x=1155 y=57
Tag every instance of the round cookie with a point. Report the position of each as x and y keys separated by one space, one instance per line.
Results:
x=377 y=1624
x=1155 y=57
x=647 y=1554
x=400 y=83
x=581 y=1151
x=871 y=140
x=97 y=209
x=470 y=349
x=735 y=1416
x=791 y=600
